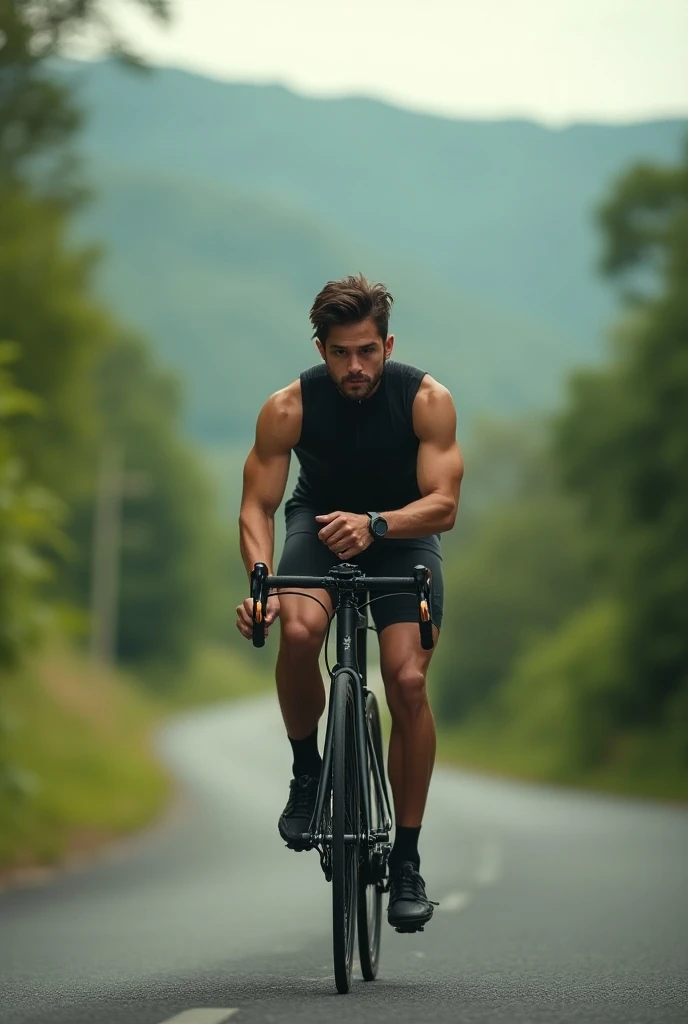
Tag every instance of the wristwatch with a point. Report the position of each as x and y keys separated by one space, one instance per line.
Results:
x=377 y=525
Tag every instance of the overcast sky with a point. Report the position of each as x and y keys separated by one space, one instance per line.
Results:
x=553 y=60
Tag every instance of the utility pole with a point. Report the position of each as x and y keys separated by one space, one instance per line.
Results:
x=105 y=557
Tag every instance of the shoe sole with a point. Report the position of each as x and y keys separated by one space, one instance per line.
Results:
x=405 y=926
x=294 y=844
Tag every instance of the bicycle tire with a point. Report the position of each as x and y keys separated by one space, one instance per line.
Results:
x=369 y=890
x=345 y=820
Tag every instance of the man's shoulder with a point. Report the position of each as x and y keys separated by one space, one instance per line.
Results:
x=283 y=412
x=430 y=389
x=404 y=370
x=424 y=387
x=432 y=406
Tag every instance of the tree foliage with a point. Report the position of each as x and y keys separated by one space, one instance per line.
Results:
x=47 y=310
x=561 y=696
x=30 y=518
x=522 y=569
x=623 y=440
x=92 y=382
x=170 y=532
x=571 y=610
x=38 y=116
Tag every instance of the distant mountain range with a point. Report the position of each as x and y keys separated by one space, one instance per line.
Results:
x=225 y=207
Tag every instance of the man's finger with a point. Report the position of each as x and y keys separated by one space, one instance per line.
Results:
x=330 y=520
x=329 y=528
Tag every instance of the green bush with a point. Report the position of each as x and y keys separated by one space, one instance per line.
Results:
x=562 y=695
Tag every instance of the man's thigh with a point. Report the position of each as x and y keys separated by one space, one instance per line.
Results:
x=400 y=651
x=304 y=554
x=397 y=558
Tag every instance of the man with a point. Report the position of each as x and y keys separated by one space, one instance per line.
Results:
x=379 y=481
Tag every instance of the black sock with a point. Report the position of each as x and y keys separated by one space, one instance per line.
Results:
x=307 y=759
x=405 y=847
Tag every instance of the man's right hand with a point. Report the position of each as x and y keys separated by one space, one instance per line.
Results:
x=245 y=615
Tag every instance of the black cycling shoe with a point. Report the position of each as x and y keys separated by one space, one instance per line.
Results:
x=409 y=909
x=296 y=817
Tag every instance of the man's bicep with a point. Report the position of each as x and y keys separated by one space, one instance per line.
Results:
x=440 y=469
x=440 y=463
x=267 y=466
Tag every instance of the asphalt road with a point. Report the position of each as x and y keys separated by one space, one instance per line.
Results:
x=555 y=906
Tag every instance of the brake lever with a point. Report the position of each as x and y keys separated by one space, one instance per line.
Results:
x=259 y=593
x=423 y=577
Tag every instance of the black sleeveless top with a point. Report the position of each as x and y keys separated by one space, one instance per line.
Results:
x=357 y=456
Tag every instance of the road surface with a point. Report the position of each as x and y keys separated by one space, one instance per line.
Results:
x=555 y=907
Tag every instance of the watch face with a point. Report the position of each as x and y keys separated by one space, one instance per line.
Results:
x=380 y=527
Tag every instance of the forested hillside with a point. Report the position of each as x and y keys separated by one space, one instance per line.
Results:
x=223 y=280
x=225 y=206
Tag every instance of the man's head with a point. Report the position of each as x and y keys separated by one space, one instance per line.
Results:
x=350 y=320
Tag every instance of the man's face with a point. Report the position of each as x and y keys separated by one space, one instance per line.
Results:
x=355 y=356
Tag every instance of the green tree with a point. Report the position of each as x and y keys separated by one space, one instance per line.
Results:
x=560 y=698
x=623 y=440
x=169 y=574
x=45 y=305
x=38 y=117
x=522 y=571
x=46 y=309
x=30 y=520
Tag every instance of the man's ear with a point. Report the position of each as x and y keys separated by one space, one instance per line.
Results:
x=320 y=347
x=389 y=345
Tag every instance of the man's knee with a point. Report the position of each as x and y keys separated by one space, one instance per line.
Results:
x=301 y=637
x=406 y=689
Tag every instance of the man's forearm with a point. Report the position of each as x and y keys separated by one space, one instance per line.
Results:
x=256 y=537
x=435 y=513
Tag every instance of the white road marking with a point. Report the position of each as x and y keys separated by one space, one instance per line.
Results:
x=455 y=901
x=489 y=869
x=206 y=1015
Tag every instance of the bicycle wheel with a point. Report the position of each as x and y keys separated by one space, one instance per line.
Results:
x=369 y=889
x=345 y=822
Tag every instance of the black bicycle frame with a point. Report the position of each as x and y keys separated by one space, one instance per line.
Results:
x=349 y=581
x=351 y=652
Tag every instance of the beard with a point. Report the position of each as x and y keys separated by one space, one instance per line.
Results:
x=365 y=385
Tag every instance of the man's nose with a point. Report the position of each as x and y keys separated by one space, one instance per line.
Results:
x=355 y=365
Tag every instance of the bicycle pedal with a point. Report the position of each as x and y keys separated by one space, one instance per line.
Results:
x=410 y=929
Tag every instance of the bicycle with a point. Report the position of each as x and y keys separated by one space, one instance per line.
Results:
x=352 y=820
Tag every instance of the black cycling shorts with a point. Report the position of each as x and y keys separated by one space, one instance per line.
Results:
x=304 y=554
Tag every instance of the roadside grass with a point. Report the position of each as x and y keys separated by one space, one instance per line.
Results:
x=222 y=674
x=641 y=764
x=75 y=746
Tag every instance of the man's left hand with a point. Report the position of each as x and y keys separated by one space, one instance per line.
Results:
x=345 y=533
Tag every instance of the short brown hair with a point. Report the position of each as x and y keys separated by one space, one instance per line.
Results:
x=348 y=301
